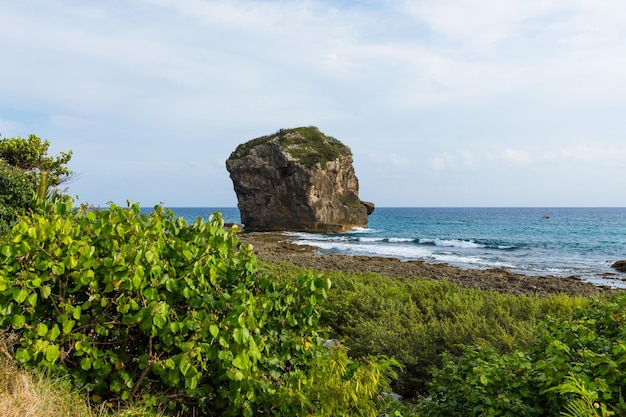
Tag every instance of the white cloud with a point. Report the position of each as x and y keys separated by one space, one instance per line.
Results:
x=388 y=159
x=457 y=161
x=580 y=153
x=169 y=87
x=514 y=156
x=589 y=153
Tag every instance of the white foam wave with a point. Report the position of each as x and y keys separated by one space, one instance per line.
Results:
x=315 y=237
x=453 y=243
x=400 y=240
x=475 y=261
x=371 y=239
x=391 y=251
x=362 y=230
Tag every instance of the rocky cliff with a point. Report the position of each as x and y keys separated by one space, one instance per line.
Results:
x=297 y=180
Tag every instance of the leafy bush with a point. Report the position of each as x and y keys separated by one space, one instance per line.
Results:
x=576 y=366
x=16 y=195
x=417 y=321
x=483 y=383
x=338 y=386
x=590 y=346
x=150 y=309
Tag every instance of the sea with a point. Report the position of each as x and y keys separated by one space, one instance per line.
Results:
x=562 y=242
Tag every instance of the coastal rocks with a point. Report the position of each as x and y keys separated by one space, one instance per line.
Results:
x=619 y=265
x=297 y=180
x=276 y=247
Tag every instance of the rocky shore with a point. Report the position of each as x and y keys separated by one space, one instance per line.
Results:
x=275 y=247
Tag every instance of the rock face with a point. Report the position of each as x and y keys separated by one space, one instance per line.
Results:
x=297 y=180
x=619 y=265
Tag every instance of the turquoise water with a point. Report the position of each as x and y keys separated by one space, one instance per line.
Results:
x=534 y=241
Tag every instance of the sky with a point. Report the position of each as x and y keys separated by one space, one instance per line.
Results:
x=460 y=103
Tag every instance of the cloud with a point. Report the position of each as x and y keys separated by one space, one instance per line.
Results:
x=457 y=161
x=579 y=153
x=388 y=159
x=170 y=87
x=513 y=156
x=590 y=153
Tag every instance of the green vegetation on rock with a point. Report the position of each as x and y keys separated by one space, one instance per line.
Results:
x=306 y=144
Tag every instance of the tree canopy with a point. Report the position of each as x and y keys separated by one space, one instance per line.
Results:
x=31 y=156
x=27 y=172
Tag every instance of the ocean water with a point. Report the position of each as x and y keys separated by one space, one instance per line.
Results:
x=582 y=242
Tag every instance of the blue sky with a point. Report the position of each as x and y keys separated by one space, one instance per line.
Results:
x=443 y=102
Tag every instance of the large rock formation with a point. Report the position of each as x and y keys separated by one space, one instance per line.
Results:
x=297 y=180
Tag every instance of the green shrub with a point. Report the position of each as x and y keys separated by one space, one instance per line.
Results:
x=483 y=383
x=576 y=366
x=589 y=346
x=335 y=385
x=16 y=195
x=149 y=309
x=416 y=321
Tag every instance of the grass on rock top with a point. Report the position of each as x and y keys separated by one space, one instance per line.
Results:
x=306 y=144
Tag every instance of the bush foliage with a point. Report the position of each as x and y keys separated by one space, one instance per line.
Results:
x=147 y=308
x=16 y=195
x=27 y=173
x=575 y=367
x=418 y=321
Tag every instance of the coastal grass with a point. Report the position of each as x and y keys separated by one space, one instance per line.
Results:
x=34 y=393
x=417 y=321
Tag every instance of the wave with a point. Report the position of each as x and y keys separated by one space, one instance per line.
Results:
x=358 y=229
x=452 y=243
x=357 y=239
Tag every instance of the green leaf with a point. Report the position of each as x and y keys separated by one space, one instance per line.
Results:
x=18 y=321
x=214 y=330
x=68 y=325
x=241 y=335
x=136 y=281
x=150 y=293
x=42 y=330
x=149 y=256
x=32 y=299
x=174 y=327
x=184 y=365
x=192 y=382
x=22 y=355
x=241 y=361
x=20 y=296
x=223 y=342
x=55 y=332
x=45 y=291
x=85 y=363
x=6 y=251
x=159 y=321
x=52 y=353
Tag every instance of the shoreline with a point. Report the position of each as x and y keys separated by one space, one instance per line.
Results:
x=275 y=247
